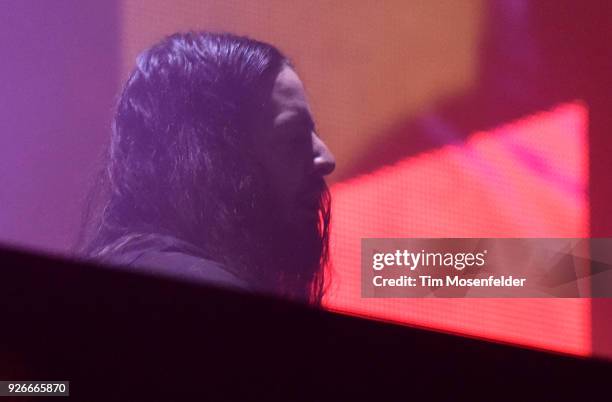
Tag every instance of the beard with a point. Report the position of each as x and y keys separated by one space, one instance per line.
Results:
x=281 y=257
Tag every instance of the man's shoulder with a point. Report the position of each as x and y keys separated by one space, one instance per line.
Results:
x=171 y=258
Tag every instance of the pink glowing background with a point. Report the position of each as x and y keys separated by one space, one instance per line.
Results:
x=448 y=119
x=527 y=178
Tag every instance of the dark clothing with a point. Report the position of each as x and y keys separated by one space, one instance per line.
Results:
x=169 y=257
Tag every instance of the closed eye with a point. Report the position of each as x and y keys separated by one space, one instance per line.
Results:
x=302 y=137
x=297 y=130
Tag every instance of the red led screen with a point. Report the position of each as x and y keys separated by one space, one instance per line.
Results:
x=528 y=178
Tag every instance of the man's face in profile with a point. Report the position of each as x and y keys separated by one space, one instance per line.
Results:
x=293 y=156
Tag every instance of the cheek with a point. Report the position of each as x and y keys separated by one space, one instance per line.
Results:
x=284 y=195
x=286 y=183
x=284 y=170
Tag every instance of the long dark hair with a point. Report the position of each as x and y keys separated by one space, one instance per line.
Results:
x=179 y=161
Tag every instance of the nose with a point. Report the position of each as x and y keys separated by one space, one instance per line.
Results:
x=324 y=161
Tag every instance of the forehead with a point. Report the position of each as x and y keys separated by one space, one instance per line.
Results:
x=288 y=97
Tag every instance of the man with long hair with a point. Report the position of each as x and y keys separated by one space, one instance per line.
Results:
x=215 y=171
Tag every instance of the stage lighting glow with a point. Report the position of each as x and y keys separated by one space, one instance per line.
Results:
x=528 y=178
